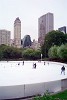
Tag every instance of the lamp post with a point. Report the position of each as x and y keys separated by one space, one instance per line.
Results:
x=41 y=56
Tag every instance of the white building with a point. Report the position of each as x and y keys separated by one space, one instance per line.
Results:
x=12 y=42
x=17 y=33
x=35 y=45
x=5 y=37
x=45 y=25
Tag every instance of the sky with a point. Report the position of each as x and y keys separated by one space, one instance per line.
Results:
x=29 y=11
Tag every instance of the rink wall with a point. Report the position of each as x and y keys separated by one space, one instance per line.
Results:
x=20 y=91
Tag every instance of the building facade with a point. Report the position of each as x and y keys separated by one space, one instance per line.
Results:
x=45 y=25
x=17 y=33
x=5 y=37
x=35 y=45
x=62 y=29
x=26 y=41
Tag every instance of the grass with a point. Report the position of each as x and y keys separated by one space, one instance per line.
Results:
x=61 y=95
x=58 y=96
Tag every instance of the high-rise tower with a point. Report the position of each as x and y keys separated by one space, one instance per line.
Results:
x=17 y=33
x=45 y=25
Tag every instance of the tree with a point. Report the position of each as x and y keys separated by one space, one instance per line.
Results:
x=27 y=53
x=53 y=38
x=10 y=52
x=31 y=54
x=52 y=53
x=62 y=51
x=37 y=54
x=2 y=48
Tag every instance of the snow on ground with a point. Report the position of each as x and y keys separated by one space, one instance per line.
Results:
x=13 y=74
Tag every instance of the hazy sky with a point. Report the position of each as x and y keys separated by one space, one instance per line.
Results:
x=29 y=11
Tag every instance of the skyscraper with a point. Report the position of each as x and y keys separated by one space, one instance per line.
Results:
x=45 y=25
x=17 y=33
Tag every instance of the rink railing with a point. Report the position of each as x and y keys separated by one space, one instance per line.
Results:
x=25 y=90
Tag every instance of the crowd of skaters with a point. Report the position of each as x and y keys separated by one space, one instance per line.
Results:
x=35 y=65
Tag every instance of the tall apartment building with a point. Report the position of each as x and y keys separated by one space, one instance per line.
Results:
x=17 y=33
x=45 y=25
x=5 y=37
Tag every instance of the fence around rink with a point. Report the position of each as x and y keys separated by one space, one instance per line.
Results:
x=20 y=91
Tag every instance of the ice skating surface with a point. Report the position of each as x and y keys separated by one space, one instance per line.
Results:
x=15 y=73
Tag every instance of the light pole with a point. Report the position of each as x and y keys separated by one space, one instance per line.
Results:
x=41 y=56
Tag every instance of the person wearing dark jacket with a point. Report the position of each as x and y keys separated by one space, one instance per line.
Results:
x=63 y=70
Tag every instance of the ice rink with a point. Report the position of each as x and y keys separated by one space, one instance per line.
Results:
x=15 y=73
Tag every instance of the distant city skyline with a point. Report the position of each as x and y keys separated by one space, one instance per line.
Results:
x=29 y=12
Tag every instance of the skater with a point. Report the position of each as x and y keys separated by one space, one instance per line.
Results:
x=18 y=63
x=23 y=62
x=48 y=63
x=63 y=70
x=44 y=62
x=34 y=65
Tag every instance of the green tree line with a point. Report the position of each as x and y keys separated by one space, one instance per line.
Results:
x=7 y=52
x=58 y=52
